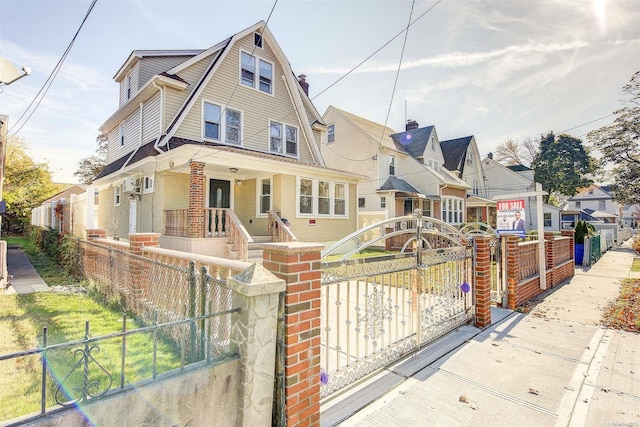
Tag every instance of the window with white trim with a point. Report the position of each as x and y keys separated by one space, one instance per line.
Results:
x=127 y=87
x=547 y=219
x=578 y=205
x=433 y=143
x=383 y=202
x=452 y=210
x=121 y=134
x=602 y=205
x=392 y=165
x=257 y=40
x=331 y=133
x=322 y=198
x=218 y=122
x=264 y=196
x=117 y=195
x=264 y=82
x=278 y=131
x=147 y=184
x=476 y=187
x=426 y=208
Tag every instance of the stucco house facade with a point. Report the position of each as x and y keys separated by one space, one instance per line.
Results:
x=405 y=170
x=218 y=142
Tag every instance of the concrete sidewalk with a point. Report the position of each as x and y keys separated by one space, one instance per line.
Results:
x=25 y=279
x=555 y=366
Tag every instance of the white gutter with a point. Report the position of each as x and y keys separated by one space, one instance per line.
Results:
x=161 y=89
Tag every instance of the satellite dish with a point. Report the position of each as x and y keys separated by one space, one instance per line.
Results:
x=9 y=73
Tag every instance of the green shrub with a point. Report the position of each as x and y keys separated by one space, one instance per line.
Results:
x=635 y=244
x=584 y=229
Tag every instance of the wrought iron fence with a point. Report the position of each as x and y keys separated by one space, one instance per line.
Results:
x=77 y=371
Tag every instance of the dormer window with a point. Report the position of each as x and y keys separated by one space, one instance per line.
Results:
x=121 y=135
x=257 y=40
x=127 y=86
x=248 y=71
x=392 y=165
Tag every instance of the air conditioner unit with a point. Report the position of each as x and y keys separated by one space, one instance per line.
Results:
x=131 y=185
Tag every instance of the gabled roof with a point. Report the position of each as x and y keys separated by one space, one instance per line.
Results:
x=73 y=189
x=135 y=56
x=413 y=141
x=519 y=168
x=398 y=184
x=454 y=152
x=373 y=130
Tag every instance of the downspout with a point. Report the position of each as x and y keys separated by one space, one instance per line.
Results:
x=161 y=89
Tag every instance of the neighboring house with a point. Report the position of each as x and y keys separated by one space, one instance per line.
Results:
x=405 y=170
x=56 y=212
x=205 y=140
x=461 y=156
x=630 y=216
x=596 y=202
x=517 y=179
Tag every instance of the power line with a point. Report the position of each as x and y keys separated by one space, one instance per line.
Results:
x=47 y=84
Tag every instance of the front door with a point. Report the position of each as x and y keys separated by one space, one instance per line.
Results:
x=219 y=199
x=133 y=215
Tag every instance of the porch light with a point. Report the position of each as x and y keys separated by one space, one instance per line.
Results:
x=233 y=170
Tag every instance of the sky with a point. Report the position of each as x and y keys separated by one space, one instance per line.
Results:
x=493 y=69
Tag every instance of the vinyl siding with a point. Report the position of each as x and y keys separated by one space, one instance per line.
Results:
x=131 y=137
x=257 y=107
x=151 y=119
x=150 y=66
x=135 y=74
x=176 y=98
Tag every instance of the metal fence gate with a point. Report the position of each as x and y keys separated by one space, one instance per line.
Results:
x=388 y=290
x=498 y=263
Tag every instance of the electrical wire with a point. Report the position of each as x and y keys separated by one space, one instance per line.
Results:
x=47 y=84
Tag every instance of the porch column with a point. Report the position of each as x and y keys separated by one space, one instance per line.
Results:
x=137 y=241
x=299 y=265
x=482 y=281
x=195 y=213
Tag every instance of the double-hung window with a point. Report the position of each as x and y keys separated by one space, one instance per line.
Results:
x=264 y=195
x=148 y=184
x=280 y=131
x=121 y=135
x=322 y=198
x=127 y=87
x=117 y=192
x=218 y=122
x=248 y=71
x=331 y=134
x=392 y=165
x=452 y=210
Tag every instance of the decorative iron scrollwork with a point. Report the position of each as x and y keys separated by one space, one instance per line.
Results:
x=67 y=393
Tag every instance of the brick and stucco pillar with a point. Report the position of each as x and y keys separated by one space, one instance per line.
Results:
x=137 y=241
x=513 y=270
x=95 y=233
x=195 y=213
x=298 y=264
x=482 y=281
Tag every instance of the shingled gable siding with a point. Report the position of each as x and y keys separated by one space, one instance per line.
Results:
x=151 y=119
x=257 y=108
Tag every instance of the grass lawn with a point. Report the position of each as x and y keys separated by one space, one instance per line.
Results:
x=22 y=319
x=624 y=312
x=636 y=264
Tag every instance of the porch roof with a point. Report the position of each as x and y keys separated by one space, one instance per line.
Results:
x=400 y=185
x=479 y=202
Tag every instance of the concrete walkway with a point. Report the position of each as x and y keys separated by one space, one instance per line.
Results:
x=25 y=279
x=555 y=366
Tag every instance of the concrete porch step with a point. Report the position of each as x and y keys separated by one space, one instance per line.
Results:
x=255 y=253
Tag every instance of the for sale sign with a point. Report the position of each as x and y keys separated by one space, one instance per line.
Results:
x=511 y=217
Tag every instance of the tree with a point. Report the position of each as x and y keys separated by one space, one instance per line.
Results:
x=89 y=167
x=512 y=152
x=26 y=185
x=562 y=165
x=619 y=144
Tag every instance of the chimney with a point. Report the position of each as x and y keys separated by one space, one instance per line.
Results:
x=411 y=125
x=303 y=83
x=490 y=155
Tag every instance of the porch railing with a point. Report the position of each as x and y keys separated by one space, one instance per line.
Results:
x=175 y=222
x=239 y=237
x=279 y=230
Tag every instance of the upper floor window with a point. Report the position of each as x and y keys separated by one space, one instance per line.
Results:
x=476 y=188
x=248 y=73
x=578 y=205
x=433 y=143
x=602 y=205
x=331 y=134
x=127 y=87
x=215 y=119
x=361 y=202
x=470 y=158
x=280 y=131
x=547 y=219
x=121 y=135
x=392 y=165
x=257 y=40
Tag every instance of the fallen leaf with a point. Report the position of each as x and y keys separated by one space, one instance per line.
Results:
x=463 y=399
x=534 y=391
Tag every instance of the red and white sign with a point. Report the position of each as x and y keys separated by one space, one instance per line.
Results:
x=511 y=216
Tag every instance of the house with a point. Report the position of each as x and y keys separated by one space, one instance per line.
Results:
x=461 y=156
x=208 y=144
x=517 y=179
x=56 y=212
x=597 y=202
x=404 y=169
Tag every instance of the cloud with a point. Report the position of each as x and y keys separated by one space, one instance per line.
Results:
x=457 y=59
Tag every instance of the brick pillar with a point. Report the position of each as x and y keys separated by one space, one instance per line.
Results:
x=482 y=281
x=95 y=233
x=550 y=256
x=137 y=241
x=513 y=270
x=572 y=248
x=298 y=264
x=195 y=213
